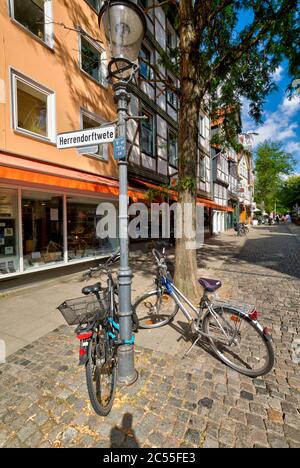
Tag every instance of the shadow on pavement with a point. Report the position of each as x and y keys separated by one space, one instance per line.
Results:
x=124 y=436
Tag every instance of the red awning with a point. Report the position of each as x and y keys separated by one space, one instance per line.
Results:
x=14 y=168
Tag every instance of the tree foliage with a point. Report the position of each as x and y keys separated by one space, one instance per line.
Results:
x=289 y=194
x=235 y=47
x=272 y=163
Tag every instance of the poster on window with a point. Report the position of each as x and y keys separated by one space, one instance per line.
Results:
x=54 y=214
x=9 y=250
x=8 y=232
x=5 y=211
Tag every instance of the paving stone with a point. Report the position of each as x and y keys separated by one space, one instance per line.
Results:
x=247 y=396
x=276 y=441
x=291 y=433
x=193 y=437
x=275 y=416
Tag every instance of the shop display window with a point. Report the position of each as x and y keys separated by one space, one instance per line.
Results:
x=42 y=227
x=9 y=256
x=82 y=222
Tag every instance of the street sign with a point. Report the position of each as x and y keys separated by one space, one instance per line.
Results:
x=120 y=148
x=89 y=137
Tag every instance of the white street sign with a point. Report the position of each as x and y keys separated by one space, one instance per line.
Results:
x=89 y=137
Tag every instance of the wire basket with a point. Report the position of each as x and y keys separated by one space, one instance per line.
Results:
x=82 y=310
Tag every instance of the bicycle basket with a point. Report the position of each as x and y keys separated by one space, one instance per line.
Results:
x=81 y=310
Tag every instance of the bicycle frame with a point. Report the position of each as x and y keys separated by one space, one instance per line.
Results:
x=174 y=292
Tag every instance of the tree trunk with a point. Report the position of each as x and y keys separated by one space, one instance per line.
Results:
x=186 y=260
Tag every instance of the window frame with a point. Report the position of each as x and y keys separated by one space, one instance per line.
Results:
x=202 y=169
x=16 y=76
x=147 y=112
x=48 y=39
x=148 y=67
x=101 y=121
x=102 y=69
x=172 y=132
x=170 y=92
x=202 y=126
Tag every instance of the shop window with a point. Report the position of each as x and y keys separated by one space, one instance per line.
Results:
x=172 y=149
x=147 y=134
x=33 y=108
x=42 y=220
x=9 y=258
x=88 y=120
x=32 y=15
x=82 y=222
x=93 y=60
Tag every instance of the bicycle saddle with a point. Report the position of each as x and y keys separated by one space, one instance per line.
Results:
x=210 y=285
x=91 y=289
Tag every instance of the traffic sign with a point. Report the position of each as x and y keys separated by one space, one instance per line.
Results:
x=120 y=148
x=89 y=137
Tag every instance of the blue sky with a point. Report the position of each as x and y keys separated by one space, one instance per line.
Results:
x=281 y=119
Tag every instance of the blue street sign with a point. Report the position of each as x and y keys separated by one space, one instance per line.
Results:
x=120 y=148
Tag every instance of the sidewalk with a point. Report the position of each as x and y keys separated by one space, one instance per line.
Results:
x=195 y=402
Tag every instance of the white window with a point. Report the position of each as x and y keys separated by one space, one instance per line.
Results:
x=89 y=120
x=36 y=16
x=202 y=169
x=93 y=60
x=33 y=108
x=202 y=126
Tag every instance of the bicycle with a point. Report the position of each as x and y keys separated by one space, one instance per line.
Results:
x=96 y=317
x=233 y=331
x=241 y=229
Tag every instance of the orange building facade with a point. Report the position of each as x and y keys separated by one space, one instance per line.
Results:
x=52 y=80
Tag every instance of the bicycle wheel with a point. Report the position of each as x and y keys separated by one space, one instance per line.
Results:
x=244 y=348
x=155 y=309
x=101 y=374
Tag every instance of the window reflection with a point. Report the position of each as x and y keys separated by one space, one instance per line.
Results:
x=42 y=218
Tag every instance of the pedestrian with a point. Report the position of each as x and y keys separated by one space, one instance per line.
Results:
x=277 y=219
x=287 y=218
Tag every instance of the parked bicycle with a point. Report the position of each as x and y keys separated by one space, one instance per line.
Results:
x=97 y=320
x=233 y=332
x=241 y=229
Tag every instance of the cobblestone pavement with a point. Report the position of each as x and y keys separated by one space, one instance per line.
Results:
x=196 y=402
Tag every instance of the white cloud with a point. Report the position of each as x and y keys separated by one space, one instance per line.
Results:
x=290 y=107
x=278 y=74
x=280 y=125
x=293 y=147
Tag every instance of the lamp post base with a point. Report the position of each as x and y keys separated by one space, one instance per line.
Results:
x=127 y=375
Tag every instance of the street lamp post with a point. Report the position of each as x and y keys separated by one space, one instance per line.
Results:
x=124 y=27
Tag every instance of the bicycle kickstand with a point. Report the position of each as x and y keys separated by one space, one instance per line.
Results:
x=191 y=347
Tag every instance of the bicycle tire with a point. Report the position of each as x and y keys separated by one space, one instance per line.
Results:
x=97 y=403
x=147 y=313
x=218 y=347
